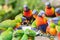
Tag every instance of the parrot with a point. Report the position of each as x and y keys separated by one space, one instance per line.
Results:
x=49 y=10
x=57 y=12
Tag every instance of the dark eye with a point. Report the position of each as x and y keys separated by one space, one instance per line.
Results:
x=24 y=23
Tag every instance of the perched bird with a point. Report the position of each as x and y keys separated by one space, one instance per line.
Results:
x=41 y=21
x=57 y=11
x=35 y=13
x=51 y=29
x=27 y=13
x=49 y=10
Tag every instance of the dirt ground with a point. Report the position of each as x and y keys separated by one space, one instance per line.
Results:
x=41 y=38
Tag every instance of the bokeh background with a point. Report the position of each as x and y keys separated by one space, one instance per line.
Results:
x=15 y=7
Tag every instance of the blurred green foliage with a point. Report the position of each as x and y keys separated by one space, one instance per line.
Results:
x=35 y=4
